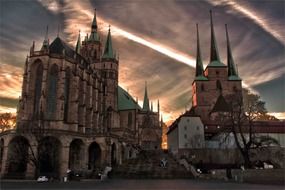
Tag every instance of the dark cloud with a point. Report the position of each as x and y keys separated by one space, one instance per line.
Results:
x=8 y=102
x=169 y=23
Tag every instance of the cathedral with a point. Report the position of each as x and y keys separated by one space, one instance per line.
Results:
x=212 y=85
x=73 y=115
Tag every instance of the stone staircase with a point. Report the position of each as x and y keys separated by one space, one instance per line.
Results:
x=147 y=166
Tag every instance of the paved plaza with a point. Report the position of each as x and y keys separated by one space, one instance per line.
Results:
x=138 y=185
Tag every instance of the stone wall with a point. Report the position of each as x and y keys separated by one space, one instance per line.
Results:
x=275 y=155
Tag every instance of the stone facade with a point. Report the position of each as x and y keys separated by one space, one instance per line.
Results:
x=73 y=114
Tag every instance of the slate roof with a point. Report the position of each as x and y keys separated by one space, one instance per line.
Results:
x=126 y=101
x=57 y=47
x=221 y=105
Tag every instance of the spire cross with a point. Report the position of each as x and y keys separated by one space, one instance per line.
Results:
x=46 y=37
x=57 y=30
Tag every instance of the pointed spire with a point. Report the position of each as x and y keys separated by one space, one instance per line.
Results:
x=151 y=106
x=78 y=44
x=161 y=121
x=26 y=65
x=232 y=73
x=199 y=63
x=94 y=29
x=214 y=48
x=214 y=53
x=145 y=100
x=94 y=26
x=32 y=49
x=46 y=41
x=86 y=38
x=158 y=107
x=108 y=51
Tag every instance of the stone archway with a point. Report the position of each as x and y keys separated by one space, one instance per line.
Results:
x=122 y=153
x=49 y=156
x=113 y=155
x=18 y=157
x=94 y=155
x=76 y=155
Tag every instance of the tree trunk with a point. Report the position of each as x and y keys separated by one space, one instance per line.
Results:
x=246 y=158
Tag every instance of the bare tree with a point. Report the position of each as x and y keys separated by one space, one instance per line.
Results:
x=244 y=110
x=7 y=121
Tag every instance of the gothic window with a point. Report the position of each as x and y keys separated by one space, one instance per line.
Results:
x=219 y=85
x=104 y=73
x=66 y=92
x=217 y=73
x=52 y=91
x=95 y=54
x=130 y=119
x=202 y=87
x=38 y=87
x=111 y=74
x=104 y=90
x=235 y=89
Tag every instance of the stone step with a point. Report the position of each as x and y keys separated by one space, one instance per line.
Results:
x=147 y=165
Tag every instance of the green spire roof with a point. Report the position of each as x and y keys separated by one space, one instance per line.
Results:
x=94 y=29
x=78 y=44
x=94 y=22
x=108 y=51
x=199 y=64
x=145 y=100
x=233 y=75
x=46 y=41
x=214 y=56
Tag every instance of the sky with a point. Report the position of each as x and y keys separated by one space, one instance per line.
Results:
x=156 y=42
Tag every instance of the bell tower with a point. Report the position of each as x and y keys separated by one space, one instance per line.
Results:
x=109 y=73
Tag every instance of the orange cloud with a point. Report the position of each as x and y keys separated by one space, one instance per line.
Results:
x=10 y=81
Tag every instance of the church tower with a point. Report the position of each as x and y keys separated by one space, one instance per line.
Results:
x=216 y=80
x=109 y=73
x=91 y=45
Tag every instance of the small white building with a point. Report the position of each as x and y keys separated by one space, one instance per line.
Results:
x=186 y=132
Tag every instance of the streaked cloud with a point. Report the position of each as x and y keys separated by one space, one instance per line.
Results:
x=10 y=81
x=255 y=17
x=169 y=29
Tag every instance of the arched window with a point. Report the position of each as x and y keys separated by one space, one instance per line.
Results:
x=38 y=87
x=219 y=85
x=202 y=87
x=235 y=89
x=66 y=93
x=130 y=119
x=52 y=91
